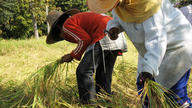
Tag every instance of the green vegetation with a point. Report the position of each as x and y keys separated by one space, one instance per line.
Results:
x=68 y=4
x=181 y=3
x=21 y=19
x=26 y=82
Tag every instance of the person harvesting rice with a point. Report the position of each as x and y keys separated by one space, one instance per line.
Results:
x=162 y=37
x=87 y=30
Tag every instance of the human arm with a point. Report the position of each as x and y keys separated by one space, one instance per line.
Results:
x=79 y=36
x=155 y=44
x=113 y=27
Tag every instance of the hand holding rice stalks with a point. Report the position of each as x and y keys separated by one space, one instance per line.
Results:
x=157 y=95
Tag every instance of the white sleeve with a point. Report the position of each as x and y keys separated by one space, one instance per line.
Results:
x=155 y=43
x=114 y=22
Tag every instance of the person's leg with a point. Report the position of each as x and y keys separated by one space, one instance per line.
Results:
x=85 y=72
x=104 y=75
x=180 y=89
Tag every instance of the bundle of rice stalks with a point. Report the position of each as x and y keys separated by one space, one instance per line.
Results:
x=42 y=85
x=157 y=96
x=41 y=89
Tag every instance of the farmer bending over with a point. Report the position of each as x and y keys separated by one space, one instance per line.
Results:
x=87 y=30
x=162 y=37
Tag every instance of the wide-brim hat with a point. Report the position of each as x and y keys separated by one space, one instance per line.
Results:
x=101 y=6
x=53 y=19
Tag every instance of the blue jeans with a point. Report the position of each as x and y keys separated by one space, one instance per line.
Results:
x=180 y=89
x=85 y=72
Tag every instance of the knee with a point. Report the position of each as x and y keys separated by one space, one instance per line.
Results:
x=82 y=71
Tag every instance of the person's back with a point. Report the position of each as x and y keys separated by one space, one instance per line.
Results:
x=92 y=23
x=91 y=20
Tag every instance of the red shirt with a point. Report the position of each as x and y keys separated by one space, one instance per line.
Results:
x=85 y=28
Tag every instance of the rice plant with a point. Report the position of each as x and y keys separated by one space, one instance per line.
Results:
x=21 y=60
x=157 y=96
x=41 y=89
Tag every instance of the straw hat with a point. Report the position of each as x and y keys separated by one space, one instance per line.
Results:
x=53 y=18
x=101 y=6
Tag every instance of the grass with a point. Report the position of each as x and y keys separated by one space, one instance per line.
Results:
x=22 y=67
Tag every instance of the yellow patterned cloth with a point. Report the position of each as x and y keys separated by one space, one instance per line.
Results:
x=137 y=11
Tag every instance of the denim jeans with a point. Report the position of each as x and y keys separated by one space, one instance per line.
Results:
x=102 y=64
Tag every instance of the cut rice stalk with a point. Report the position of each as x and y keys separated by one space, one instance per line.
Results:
x=157 y=96
x=39 y=89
